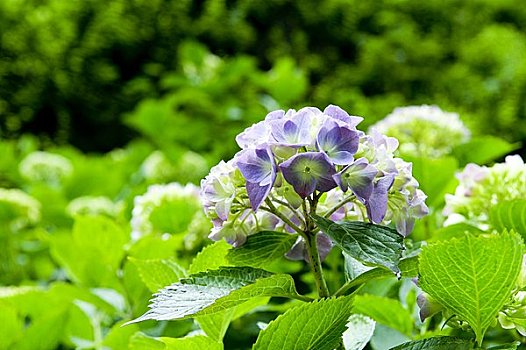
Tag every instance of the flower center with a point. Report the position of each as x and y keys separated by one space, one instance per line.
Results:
x=307 y=170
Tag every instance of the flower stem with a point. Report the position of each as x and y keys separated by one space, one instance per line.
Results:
x=272 y=209
x=315 y=264
x=338 y=206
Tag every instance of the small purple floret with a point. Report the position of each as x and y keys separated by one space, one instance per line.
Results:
x=339 y=114
x=309 y=171
x=259 y=169
x=340 y=143
x=377 y=203
x=359 y=178
x=293 y=132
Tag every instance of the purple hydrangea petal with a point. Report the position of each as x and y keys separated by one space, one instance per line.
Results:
x=254 y=135
x=260 y=170
x=274 y=115
x=339 y=114
x=340 y=143
x=257 y=194
x=405 y=225
x=359 y=178
x=377 y=203
x=309 y=171
x=257 y=165
x=294 y=131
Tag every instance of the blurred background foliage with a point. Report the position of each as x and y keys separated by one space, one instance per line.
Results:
x=97 y=74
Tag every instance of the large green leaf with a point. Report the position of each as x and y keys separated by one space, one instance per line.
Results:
x=12 y=325
x=472 y=276
x=215 y=325
x=368 y=243
x=318 y=325
x=454 y=231
x=210 y=258
x=437 y=343
x=158 y=273
x=386 y=311
x=510 y=215
x=261 y=249
x=483 y=149
x=435 y=176
x=92 y=254
x=197 y=342
x=214 y=291
x=363 y=274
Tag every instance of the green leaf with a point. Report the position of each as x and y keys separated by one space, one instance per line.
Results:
x=368 y=243
x=472 y=276
x=318 y=325
x=363 y=274
x=483 y=149
x=197 y=342
x=437 y=343
x=359 y=331
x=158 y=273
x=261 y=249
x=12 y=325
x=140 y=341
x=92 y=254
x=279 y=285
x=210 y=258
x=215 y=325
x=214 y=291
x=509 y=346
x=510 y=215
x=454 y=231
x=434 y=176
x=119 y=337
x=386 y=311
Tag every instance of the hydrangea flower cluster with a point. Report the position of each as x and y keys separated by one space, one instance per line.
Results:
x=513 y=314
x=153 y=212
x=424 y=130
x=157 y=168
x=46 y=167
x=18 y=209
x=296 y=162
x=93 y=205
x=481 y=187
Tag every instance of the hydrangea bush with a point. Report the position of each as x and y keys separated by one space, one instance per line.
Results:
x=424 y=131
x=310 y=244
x=481 y=188
x=303 y=182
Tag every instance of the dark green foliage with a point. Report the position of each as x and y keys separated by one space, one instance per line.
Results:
x=71 y=70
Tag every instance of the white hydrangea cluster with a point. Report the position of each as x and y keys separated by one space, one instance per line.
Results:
x=45 y=167
x=165 y=208
x=157 y=168
x=18 y=209
x=424 y=130
x=482 y=187
x=93 y=205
